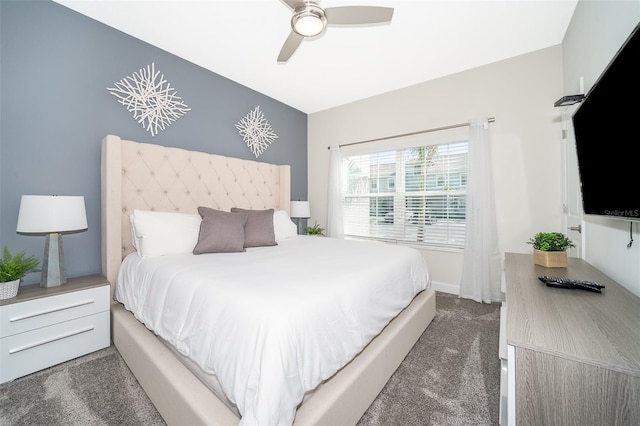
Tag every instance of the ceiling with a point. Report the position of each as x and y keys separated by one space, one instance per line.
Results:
x=426 y=39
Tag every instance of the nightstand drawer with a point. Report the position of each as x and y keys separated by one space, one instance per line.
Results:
x=24 y=353
x=42 y=312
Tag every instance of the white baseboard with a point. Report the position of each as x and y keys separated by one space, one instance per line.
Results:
x=445 y=288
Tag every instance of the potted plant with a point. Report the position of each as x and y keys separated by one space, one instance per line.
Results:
x=13 y=267
x=315 y=229
x=550 y=249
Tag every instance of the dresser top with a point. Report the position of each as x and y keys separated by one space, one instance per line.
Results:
x=602 y=329
x=30 y=292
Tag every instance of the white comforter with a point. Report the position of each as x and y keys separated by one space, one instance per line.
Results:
x=273 y=322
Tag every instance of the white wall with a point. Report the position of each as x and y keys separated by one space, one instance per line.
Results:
x=525 y=138
x=596 y=32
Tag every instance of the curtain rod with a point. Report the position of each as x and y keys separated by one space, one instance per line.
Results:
x=453 y=126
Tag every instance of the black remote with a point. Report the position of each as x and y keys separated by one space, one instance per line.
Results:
x=574 y=286
x=561 y=282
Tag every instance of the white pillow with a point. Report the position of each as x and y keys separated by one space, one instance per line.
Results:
x=283 y=227
x=161 y=233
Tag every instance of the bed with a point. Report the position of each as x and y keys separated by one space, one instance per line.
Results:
x=147 y=177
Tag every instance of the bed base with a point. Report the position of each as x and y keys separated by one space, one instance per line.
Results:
x=181 y=398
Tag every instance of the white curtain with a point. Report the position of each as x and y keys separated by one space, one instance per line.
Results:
x=335 y=227
x=481 y=268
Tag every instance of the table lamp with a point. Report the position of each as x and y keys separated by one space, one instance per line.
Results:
x=52 y=215
x=300 y=210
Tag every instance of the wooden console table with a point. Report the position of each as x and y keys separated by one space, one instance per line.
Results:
x=573 y=355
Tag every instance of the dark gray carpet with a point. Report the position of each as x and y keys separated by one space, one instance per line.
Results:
x=451 y=377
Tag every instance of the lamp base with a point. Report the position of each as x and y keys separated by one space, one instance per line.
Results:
x=53 y=262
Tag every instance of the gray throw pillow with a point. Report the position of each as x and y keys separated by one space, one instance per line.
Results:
x=258 y=231
x=220 y=232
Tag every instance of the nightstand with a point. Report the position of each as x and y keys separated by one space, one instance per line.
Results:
x=42 y=327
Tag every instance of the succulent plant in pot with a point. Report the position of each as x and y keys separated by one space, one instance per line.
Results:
x=13 y=267
x=550 y=249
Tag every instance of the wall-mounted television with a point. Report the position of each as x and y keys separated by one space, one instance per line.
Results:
x=607 y=133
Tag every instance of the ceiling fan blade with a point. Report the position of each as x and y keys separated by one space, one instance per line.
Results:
x=293 y=4
x=290 y=45
x=358 y=15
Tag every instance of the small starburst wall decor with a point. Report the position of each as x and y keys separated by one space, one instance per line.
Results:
x=151 y=98
x=256 y=131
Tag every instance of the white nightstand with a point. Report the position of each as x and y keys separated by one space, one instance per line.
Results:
x=41 y=327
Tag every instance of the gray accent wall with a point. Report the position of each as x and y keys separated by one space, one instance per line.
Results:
x=55 y=68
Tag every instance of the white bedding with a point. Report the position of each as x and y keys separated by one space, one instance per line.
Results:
x=273 y=322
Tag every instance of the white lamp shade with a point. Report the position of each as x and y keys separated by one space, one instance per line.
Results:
x=51 y=213
x=300 y=209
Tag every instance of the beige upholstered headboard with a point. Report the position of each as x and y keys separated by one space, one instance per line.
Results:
x=153 y=177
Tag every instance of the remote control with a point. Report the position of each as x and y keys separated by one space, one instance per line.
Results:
x=574 y=286
x=561 y=282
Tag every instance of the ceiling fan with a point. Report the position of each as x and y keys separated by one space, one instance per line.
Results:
x=310 y=20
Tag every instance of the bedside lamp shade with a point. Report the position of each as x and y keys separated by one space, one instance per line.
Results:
x=300 y=209
x=52 y=215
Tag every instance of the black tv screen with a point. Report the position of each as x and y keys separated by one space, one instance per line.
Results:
x=607 y=135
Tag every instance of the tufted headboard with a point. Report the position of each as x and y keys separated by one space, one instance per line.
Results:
x=153 y=177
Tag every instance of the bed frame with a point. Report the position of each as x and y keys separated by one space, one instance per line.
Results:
x=153 y=177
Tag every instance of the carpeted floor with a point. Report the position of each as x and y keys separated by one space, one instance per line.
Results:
x=452 y=374
x=94 y=390
x=451 y=377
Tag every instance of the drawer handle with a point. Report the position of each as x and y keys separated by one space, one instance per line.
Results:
x=49 y=311
x=53 y=339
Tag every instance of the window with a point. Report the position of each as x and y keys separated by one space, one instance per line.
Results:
x=413 y=195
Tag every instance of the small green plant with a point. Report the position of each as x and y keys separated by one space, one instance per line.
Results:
x=15 y=266
x=550 y=241
x=315 y=230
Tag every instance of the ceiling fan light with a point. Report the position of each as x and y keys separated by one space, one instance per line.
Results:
x=309 y=21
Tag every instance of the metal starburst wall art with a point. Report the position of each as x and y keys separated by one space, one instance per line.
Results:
x=151 y=99
x=256 y=131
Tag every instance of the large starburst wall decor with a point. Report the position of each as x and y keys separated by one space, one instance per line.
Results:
x=151 y=99
x=256 y=131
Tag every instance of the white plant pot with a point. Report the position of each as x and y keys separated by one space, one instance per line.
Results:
x=9 y=289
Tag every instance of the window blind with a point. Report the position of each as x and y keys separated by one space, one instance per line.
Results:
x=415 y=195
